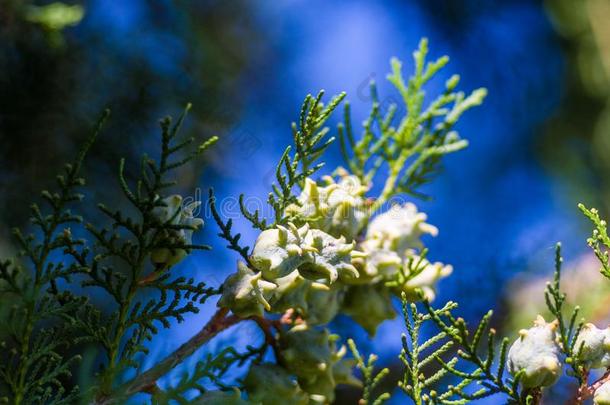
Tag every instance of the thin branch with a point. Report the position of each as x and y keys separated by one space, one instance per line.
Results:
x=590 y=390
x=143 y=383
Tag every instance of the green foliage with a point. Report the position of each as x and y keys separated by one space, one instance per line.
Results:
x=55 y=16
x=414 y=383
x=209 y=370
x=568 y=330
x=41 y=322
x=584 y=347
x=132 y=242
x=371 y=379
x=453 y=333
x=46 y=322
x=225 y=228
x=412 y=150
x=599 y=240
x=310 y=143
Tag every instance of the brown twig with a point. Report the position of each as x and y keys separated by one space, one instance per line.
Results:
x=155 y=274
x=590 y=390
x=582 y=389
x=587 y=391
x=265 y=325
x=143 y=382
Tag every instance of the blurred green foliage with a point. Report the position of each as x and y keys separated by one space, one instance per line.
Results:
x=55 y=16
x=576 y=146
x=577 y=140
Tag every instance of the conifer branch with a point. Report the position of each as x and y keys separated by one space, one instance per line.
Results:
x=226 y=229
x=568 y=331
x=599 y=240
x=371 y=379
x=33 y=371
x=143 y=382
x=413 y=147
x=161 y=240
x=469 y=345
x=310 y=142
x=453 y=333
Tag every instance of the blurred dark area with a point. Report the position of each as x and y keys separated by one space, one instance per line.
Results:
x=538 y=145
x=143 y=61
x=62 y=64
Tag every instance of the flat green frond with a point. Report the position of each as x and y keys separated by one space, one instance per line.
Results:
x=300 y=160
x=225 y=228
x=34 y=367
x=134 y=254
x=471 y=356
x=599 y=240
x=411 y=146
x=567 y=331
x=422 y=356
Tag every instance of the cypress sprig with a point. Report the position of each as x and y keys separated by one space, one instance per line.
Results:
x=479 y=350
x=417 y=357
x=310 y=142
x=412 y=268
x=133 y=241
x=40 y=323
x=225 y=228
x=599 y=240
x=371 y=378
x=568 y=329
x=484 y=360
x=412 y=147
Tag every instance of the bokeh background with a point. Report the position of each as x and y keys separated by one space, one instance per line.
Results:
x=539 y=144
